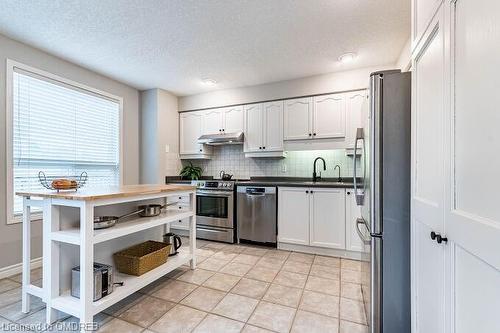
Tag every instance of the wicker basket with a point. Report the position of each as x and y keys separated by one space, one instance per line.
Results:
x=142 y=258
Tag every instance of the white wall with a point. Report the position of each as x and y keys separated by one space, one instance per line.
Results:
x=159 y=128
x=318 y=84
x=10 y=235
x=404 y=59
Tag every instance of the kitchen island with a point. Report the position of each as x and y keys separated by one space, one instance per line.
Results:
x=69 y=240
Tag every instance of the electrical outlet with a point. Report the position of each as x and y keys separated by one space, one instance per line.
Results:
x=283 y=167
x=167 y=148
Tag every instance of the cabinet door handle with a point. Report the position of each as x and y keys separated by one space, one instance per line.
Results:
x=263 y=147
x=314 y=134
x=310 y=134
x=307 y=191
x=348 y=193
x=438 y=238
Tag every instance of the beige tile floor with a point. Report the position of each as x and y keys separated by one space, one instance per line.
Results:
x=234 y=289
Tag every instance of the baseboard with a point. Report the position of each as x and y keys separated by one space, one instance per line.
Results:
x=321 y=251
x=18 y=268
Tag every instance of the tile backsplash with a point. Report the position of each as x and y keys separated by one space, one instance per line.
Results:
x=232 y=160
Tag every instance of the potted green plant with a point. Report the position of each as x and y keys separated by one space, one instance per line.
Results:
x=191 y=172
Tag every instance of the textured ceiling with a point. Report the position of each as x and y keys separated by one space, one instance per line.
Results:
x=173 y=44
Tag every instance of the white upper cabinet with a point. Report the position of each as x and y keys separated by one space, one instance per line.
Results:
x=293 y=215
x=318 y=117
x=273 y=126
x=329 y=116
x=190 y=129
x=233 y=119
x=298 y=118
x=254 y=119
x=223 y=120
x=213 y=121
x=264 y=128
x=356 y=114
x=328 y=218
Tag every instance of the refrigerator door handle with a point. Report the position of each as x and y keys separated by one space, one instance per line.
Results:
x=359 y=195
x=360 y=221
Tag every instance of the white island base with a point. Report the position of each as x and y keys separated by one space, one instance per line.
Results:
x=69 y=240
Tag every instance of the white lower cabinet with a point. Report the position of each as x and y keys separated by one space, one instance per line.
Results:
x=327 y=218
x=312 y=216
x=293 y=215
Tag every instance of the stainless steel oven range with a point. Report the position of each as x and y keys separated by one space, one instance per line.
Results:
x=215 y=210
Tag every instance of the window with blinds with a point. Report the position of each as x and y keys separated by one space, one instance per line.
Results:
x=61 y=130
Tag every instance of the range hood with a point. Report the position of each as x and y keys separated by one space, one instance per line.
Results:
x=235 y=138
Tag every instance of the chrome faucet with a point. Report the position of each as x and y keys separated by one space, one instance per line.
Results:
x=339 y=179
x=315 y=176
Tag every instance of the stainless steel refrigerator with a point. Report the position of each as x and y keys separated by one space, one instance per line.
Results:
x=382 y=189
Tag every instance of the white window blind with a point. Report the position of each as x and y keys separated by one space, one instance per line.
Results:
x=62 y=131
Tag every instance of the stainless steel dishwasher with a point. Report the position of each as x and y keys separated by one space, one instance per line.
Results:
x=256 y=214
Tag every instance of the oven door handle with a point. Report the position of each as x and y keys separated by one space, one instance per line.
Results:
x=211 y=229
x=213 y=194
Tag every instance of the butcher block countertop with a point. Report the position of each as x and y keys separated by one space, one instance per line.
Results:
x=107 y=192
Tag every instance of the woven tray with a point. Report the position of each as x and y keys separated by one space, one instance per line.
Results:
x=141 y=258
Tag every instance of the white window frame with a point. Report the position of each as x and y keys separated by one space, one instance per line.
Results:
x=11 y=218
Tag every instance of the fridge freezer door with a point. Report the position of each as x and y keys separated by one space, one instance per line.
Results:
x=375 y=310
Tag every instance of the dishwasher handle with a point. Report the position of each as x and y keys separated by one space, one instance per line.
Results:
x=256 y=191
x=249 y=195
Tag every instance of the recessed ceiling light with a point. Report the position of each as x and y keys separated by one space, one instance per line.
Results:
x=209 y=82
x=348 y=57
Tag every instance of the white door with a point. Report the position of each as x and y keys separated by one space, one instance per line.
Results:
x=190 y=130
x=293 y=215
x=212 y=121
x=254 y=121
x=356 y=114
x=233 y=119
x=273 y=126
x=428 y=257
x=298 y=118
x=352 y=212
x=329 y=116
x=472 y=205
x=328 y=218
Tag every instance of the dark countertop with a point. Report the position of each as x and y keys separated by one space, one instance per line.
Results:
x=280 y=181
x=296 y=182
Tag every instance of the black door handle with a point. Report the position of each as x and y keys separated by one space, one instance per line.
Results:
x=441 y=239
x=438 y=238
